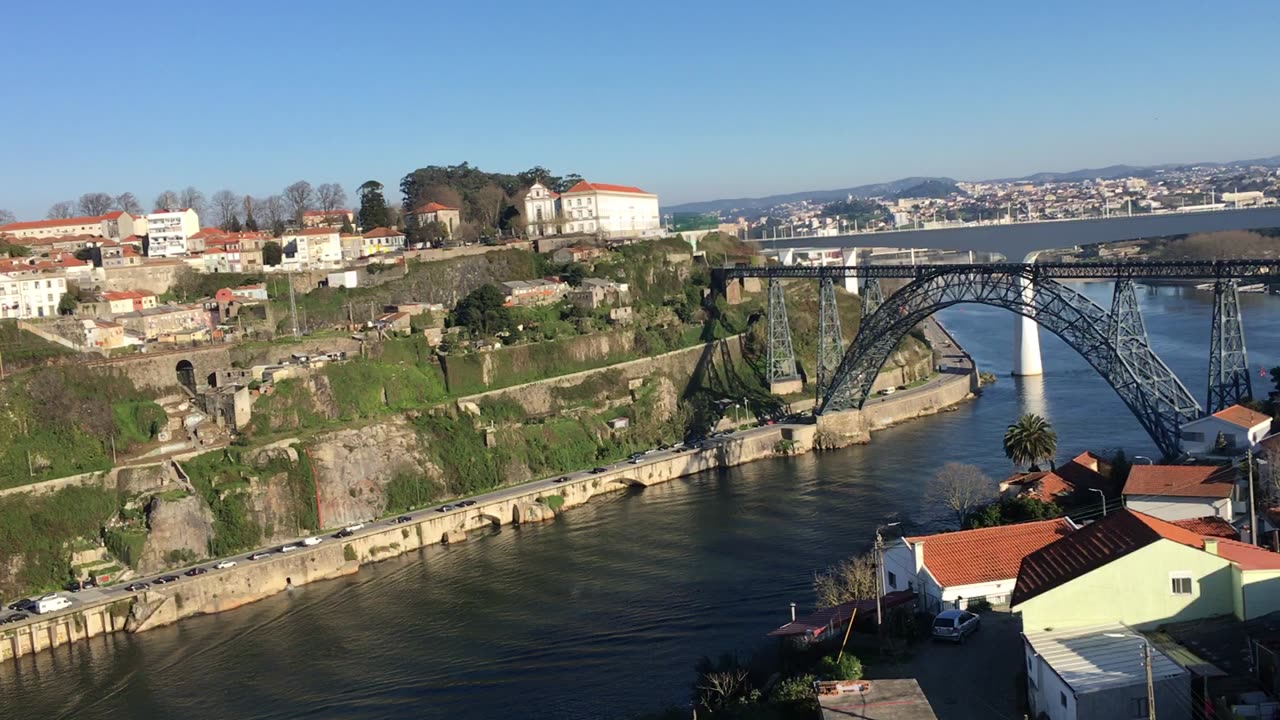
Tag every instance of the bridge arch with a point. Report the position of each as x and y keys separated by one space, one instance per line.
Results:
x=1146 y=385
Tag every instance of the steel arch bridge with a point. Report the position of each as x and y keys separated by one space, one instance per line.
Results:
x=1114 y=343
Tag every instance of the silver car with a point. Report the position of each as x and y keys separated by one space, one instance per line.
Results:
x=955 y=625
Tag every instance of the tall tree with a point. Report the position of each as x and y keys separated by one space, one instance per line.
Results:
x=226 y=205
x=299 y=198
x=62 y=210
x=167 y=200
x=192 y=198
x=7 y=216
x=346 y=228
x=273 y=210
x=331 y=196
x=128 y=202
x=250 y=222
x=489 y=202
x=1030 y=441
x=98 y=203
x=272 y=253
x=960 y=487
x=373 y=206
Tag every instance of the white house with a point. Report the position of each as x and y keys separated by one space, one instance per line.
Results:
x=1097 y=673
x=30 y=296
x=1181 y=492
x=1229 y=431
x=381 y=240
x=613 y=211
x=951 y=569
x=169 y=232
x=312 y=248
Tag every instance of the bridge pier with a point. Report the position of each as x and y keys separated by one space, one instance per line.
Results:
x=783 y=376
x=850 y=258
x=1229 y=379
x=1026 y=331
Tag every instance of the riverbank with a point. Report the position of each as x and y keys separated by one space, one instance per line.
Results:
x=102 y=611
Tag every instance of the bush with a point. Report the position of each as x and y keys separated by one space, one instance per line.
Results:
x=849 y=667
x=39 y=528
x=796 y=695
x=349 y=553
x=980 y=605
x=126 y=544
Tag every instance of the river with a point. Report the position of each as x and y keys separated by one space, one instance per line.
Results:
x=603 y=612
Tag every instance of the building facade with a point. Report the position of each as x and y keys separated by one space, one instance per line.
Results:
x=601 y=209
x=114 y=226
x=382 y=240
x=328 y=218
x=1230 y=431
x=169 y=231
x=24 y=296
x=449 y=217
x=312 y=248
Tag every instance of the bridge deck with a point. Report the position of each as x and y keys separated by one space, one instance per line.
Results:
x=1208 y=269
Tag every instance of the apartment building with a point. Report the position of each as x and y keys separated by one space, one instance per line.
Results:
x=312 y=248
x=602 y=209
x=169 y=233
x=30 y=295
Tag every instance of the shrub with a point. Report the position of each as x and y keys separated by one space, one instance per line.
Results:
x=126 y=544
x=349 y=553
x=796 y=694
x=181 y=556
x=848 y=668
x=980 y=605
x=555 y=502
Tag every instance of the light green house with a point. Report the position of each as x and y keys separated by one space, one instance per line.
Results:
x=1143 y=572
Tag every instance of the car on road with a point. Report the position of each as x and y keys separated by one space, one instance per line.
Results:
x=288 y=548
x=343 y=533
x=136 y=587
x=403 y=519
x=598 y=470
x=664 y=446
x=225 y=564
x=195 y=571
x=258 y=555
x=561 y=479
x=353 y=528
x=902 y=387
x=311 y=541
x=888 y=391
x=166 y=579
x=466 y=503
x=16 y=617
x=637 y=460
x=955 y=625
x=445 y=508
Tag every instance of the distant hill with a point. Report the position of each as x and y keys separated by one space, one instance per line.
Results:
x=931 y=189
x=821 y=196
x=899 y=188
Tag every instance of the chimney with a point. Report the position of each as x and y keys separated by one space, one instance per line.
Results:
x=918 y=549
x=1211 y=545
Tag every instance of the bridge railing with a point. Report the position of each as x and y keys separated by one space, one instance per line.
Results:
x=1184 y=269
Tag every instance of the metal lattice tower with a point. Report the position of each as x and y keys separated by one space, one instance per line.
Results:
x=1229 y=380
x=830 y=340
x=1125 y=327
x=781 y=359
x=872 y=299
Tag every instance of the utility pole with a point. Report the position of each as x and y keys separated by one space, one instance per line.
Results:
x=293 y=305
x=1253 y=510
x=1151 y=687
x=879 y=589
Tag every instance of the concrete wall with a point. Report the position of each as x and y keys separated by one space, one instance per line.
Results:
x=156 y=277
x=158 y=371
x=132 y=479
x=56 y=631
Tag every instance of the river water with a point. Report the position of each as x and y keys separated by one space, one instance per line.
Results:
x=603 y=612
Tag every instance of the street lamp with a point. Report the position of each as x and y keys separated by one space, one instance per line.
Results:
x=1104 y=499
x=1146 y=661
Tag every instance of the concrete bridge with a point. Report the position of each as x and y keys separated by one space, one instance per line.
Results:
x=1026 y=240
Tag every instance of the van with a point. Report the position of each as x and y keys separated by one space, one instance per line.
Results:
x=311 y=541
x=51 y=603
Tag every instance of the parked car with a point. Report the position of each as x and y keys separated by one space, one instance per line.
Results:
x=955 y=625
x=166 y=579
x=403 y=519
x=136 y=587
x=598 y=470
x=288 y=548
x=16 y=617
x=445 y=508
x=888 y=391
x=561 y=479
x=343 y=533
x=195 y=571
x=258 y=555
x=21 y=604
x=353 y=528
x=311 y=541
x=225 y=564
x=466 y=503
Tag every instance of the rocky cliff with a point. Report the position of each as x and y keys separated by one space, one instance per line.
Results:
x=179 y=531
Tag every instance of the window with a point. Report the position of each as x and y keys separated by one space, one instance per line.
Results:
x=1138 y=708
x=893 y=581
x=1062 y=698
x=1180 y=583
x=1192 y=436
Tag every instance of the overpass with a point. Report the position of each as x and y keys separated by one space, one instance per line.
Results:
x=1025 y=240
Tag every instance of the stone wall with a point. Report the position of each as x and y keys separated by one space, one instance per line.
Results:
x=156 y=277
x=158 y=371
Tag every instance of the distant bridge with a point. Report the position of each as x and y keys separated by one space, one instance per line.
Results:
x=1114 y=341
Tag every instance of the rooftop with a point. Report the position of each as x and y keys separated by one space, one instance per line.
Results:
x=987 y=554
x=432 y=207
x=41 y=224
x=1090 y=659
x=383 y=232
x=1211 y=526
x=583 y=187
x=1212 y=481
x=1242 y=416
x=895 y=699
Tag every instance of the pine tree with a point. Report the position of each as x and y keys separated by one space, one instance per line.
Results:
x=373 y=206
x=346 y=226
x=250 y=223
x=234 y=225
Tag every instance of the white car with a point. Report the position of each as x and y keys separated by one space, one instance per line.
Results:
x=888 y=391
x=225 y=564
x=287 y=548
x=353 y=528
x=311 y=541
x=955 y=625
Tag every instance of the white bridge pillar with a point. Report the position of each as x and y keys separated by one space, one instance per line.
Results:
x=1026 y=332
x=850 y=258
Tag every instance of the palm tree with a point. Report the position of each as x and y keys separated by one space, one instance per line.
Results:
x=1030 y=440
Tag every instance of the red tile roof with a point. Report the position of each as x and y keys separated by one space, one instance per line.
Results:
x=383 y=232
x=584 y=186
x=314 y=231
x=326 y=213
x=1093 y=546
x=431 y=207
x=1211 y=481
x=1209 y=526
x=1242 y=416
x=39 y=224
x=1246 y=556
x=114 y=215
x=987 y=554
x=127 y=294
x=1044 y=485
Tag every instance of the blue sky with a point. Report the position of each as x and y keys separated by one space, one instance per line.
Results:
x=692 y=100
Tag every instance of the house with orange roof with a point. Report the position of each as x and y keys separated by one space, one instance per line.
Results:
x=328 y=218
x=381 y=240
x=951 y=569
x=1141 y=571
x=449 y=217
x=114 y=225
x=1228 y=432
x=1180 y=492
x=1085 y=472
x=600 y=209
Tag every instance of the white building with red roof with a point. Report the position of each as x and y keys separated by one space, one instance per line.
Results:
x=169 y=232
x=114 y=225
x=1230 y=431
x=952 y=569
x=587 y=208
x=1182 y=492
x=449 y=217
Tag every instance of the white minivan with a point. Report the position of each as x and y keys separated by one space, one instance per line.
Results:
x=311 y=541
x=51 y=603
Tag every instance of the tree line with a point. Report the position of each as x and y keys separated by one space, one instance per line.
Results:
x=490 y=204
